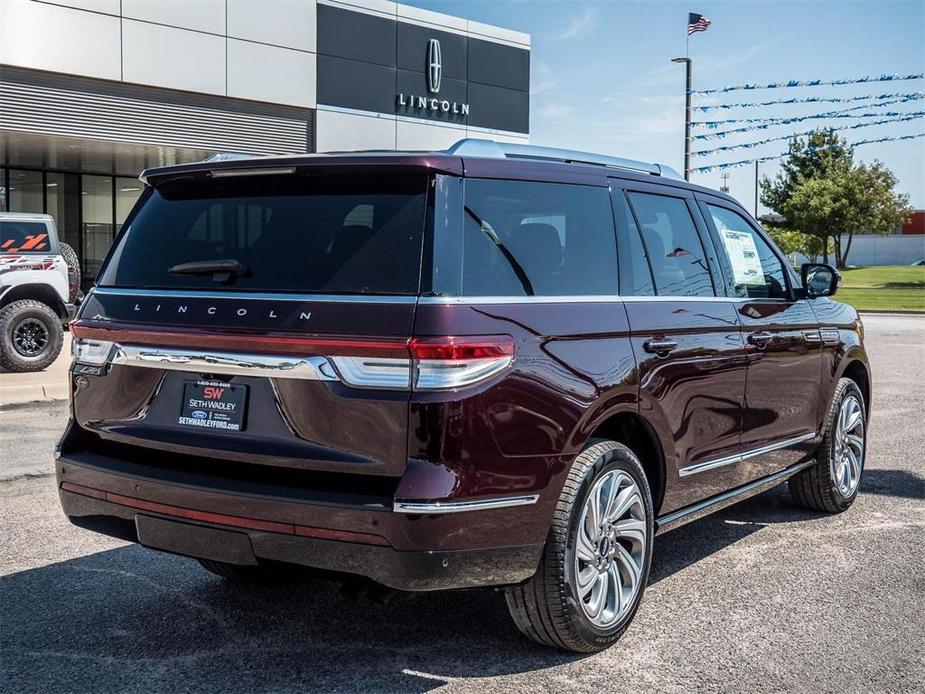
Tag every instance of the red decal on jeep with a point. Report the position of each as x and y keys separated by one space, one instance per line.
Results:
x=34 y=242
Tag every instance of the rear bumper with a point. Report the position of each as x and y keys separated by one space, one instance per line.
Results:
x=401 y=550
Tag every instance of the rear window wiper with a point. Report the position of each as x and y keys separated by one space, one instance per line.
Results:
x=222 y=270
x=518 y=269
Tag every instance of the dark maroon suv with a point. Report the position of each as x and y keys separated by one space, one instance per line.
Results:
x=498 y=365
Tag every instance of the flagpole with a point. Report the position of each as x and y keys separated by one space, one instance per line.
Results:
x=687 y=110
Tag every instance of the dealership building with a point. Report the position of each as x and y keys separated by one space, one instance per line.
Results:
x=94 y=91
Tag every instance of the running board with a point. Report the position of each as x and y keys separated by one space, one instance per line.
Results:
x=676 y=519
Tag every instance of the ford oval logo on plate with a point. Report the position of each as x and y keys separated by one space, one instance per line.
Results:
x=198 y=414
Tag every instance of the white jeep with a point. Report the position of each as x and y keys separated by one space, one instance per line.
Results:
x=39 y=284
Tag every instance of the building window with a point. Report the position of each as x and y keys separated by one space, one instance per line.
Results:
x=96 y=221
x=62 y=201
x=26 y=191
x=128 y=191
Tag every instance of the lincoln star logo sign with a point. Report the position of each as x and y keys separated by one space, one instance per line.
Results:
x=434 y=66
x=416 y=104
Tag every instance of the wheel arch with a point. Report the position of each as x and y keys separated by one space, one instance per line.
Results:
x=634 y=432
x=36 y=292
x=858 y=371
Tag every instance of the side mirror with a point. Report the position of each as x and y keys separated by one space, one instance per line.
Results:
x=819 y=279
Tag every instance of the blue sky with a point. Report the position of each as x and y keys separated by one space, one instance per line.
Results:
x=601 y=78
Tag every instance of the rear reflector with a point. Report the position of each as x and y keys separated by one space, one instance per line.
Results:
x=225 y=519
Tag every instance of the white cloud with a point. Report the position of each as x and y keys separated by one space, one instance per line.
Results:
x=580 y=25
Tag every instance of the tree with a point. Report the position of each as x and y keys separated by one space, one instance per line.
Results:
x=821 y=192
x=790 y=241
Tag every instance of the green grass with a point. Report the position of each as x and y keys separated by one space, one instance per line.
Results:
x=868 y=299
x=885 y=276
x=884 y=288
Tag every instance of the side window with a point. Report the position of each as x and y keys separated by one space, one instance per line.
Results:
x=544 y=239
x=757 y=272
x=673 y=245
x=635 y=274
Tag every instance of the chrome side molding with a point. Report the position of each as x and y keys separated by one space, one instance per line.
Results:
x=459 y=506
x=228 y=364
x=676 y=519
x=738 y=457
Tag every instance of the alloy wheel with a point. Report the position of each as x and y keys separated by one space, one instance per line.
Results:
x=610 y=548
x=848 y=453
x=30 y=337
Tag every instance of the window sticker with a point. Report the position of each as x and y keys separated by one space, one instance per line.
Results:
x=743 y=254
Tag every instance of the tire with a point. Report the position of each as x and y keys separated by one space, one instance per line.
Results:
x=552 y=607
x=20 y=320
x=73 y=267
x=252 y=575
x=824 y=487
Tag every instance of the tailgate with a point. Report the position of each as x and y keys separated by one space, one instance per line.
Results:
x=265 y=393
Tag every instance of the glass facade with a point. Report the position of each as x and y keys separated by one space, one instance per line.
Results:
x=88 y=209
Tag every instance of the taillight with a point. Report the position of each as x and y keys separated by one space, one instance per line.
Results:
x=452 y=362
x=420 y=363
x=92 y=352
x=433 y=363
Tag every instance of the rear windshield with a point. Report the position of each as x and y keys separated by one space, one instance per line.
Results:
x=24 y=237
x=297 y=233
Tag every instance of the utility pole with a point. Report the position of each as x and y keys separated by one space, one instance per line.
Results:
x=725 y=187
x=756 y=189
x=687 y=117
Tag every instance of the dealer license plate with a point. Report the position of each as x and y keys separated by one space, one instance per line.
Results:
x=213 y=405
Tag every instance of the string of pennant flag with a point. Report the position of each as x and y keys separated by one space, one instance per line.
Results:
x=807 y=100
x=855 y=126
x=745 y=162
x=787 y=121
x=697 y=22
x=812 y=83
x=828 y=114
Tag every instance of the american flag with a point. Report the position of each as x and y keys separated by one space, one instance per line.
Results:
x=696 y=22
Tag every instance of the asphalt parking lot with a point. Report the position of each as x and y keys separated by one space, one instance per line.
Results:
x=761 y=597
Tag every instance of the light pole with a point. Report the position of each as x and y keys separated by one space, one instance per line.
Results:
x=687 y=117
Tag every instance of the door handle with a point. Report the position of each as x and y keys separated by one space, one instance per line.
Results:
x=659 y=347
x=761 y=339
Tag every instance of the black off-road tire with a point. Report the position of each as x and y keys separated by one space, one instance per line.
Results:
x=11 y=316
x=545 y=608
x=252 y=575
x=815 y=488
x=73 y=264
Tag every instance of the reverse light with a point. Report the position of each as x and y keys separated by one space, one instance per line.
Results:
x=92 y=352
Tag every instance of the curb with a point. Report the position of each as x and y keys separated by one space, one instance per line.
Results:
x=886 y=312
x=29 y=394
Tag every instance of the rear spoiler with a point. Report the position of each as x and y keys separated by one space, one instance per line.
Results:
x=244 y=165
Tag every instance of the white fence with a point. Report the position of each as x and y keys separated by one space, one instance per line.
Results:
x=872 y=249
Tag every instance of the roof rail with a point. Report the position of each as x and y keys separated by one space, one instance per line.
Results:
x=475 y=147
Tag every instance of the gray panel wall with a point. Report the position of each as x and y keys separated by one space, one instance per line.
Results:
x=52 y=104
x=365 y=61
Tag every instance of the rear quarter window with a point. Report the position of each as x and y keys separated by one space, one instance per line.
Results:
x=24 y=237
x=525 y=238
